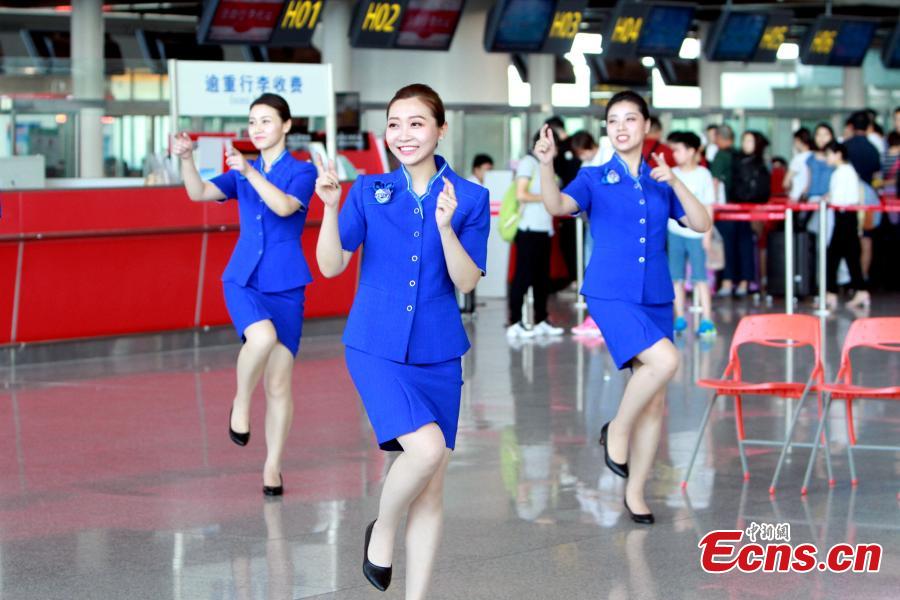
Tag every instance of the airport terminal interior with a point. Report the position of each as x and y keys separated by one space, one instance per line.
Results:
x=118 y=353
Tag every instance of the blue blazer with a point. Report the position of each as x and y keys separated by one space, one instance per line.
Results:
x=267 y=241
x=628 y=219
x=405 y=309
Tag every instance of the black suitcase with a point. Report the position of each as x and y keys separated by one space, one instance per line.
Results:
x=466 y=302
x=804 y=264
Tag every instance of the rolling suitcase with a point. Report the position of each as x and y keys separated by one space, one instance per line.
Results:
x=804 y=264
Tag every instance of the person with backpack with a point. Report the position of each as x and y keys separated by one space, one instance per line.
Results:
x=532 y=242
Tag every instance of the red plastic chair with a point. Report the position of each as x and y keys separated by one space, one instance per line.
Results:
x=778 y=331
x=881 y=333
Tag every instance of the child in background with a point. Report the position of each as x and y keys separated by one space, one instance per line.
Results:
x=685 y=244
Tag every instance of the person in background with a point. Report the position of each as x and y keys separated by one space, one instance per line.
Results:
x=890 y=165
x=875 y=132
x=686 y=245
x=819 y=176
x=720 y=167
x=532 y=254
x=796 y=180
x=566 y=164
x=897 y=119
x=844 y=190
x=481 y=164
x=861 y=153
x=750 y=183
x=654 y=145
x=591 y=155
x=709 y=152
x=779 y=174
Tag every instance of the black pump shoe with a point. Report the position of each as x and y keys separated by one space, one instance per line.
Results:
x=380 y=577
x=276 y=490
x=240 y=439
x=619 y=469
x=644 y=519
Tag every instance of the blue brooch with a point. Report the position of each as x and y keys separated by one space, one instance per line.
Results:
x=611 y=177
x=383 y=192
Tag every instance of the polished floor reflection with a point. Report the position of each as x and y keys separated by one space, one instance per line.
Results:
x=118 y=480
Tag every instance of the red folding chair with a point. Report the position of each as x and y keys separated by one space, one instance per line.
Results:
x=778 y=331
x=881 y=333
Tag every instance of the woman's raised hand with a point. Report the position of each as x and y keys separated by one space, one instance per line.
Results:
x=446 y=205
x=662 y=172
x=328 y=187
x=236 y=161
x=545 y=147
x=182 y=146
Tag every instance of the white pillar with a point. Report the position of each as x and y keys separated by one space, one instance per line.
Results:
x=854 y=88
x=88 y=82
x=710 y=75
x=336 y=45
x=541 y=74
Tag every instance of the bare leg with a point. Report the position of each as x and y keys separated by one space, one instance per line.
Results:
x=644 y=442
x=424 y=451
x=653 y=368
x=260 y=339
x=424 y=526
x=279 y=411
x=679 y=298
x=865 y=255
x=702 y=288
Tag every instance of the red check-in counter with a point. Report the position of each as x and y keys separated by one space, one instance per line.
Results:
x=99 y=262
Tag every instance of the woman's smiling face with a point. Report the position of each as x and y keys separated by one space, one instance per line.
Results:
x=412 y=132
x=626 y=126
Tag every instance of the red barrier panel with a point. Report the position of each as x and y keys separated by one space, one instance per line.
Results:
x=122 y=261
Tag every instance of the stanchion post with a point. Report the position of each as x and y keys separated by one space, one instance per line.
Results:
x=789 y=260
x=579 y=262
x=822 y=244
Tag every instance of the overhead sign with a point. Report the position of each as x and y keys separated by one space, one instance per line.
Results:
x=566 y=23
x=297 y=23
x=238 y=21
x=205 y=88
x=376 y=23
x=837 y=41
x=747 y=36
x=429 y=24
x=519 y=25
x=890 y=54
x=647 y=29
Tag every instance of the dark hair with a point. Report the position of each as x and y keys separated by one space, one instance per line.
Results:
x=629 y=96
x=481 y=159
x=711 y=126
x=779 y=160
x=838 y=148
x=655 y=124
x=428 y=96
x=582 y=140
x=804 y=137
x=897 y=110
x=555 y=123
x=277 y=102
x=725 y=132
x=893 y=138
x=686 y=138
x=827 y=127
x=859 y=120
x=877 y=129
x=760 y=142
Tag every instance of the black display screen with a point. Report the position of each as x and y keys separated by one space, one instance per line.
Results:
x=737 y=36
x=519 y=25
x=664 y=30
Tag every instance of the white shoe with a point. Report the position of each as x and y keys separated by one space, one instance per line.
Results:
x=545 y=328
x=519 y=331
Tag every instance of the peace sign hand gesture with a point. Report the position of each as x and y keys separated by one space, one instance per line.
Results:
x=446 y=205
x=328 y=187
x=545 y=147
x=662 y=172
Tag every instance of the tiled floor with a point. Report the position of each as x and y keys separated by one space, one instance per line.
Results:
x=117 y=479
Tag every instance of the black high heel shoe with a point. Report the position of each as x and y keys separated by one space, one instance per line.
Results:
x=274 y=490
x=380 y=577
x=643 y=519
x=619 y=469
x=241 y=439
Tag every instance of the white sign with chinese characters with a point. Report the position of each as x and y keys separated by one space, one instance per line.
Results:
x=223 y=89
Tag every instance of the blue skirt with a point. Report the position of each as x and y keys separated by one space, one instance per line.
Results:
x=400 y=398
x=247 y=305
x=629 y=328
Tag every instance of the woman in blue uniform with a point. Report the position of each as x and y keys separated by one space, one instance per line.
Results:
x=265 y=279
x=627 y=284
x=425 y=232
